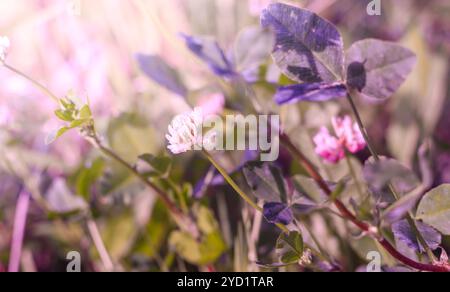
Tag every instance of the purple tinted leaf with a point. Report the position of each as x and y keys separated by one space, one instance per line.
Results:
x=276 y=212
x=252 y=47
x=380 y=173
x=310 y=92
x=159 y=71
x=377 y=68
x=403 y=232
x=400 y=208
x=210 y=52
x=303 y=206
x=265 y=186
x=308 y=48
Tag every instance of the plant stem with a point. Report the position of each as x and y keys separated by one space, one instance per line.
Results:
x=99 y=245
x=162 y=195
x=391 y=187
x=246 y=198
x=362 y=128
x=34 y=82
x=353 y=174
x=230 y=181
x=309 y=167
x=179 y=193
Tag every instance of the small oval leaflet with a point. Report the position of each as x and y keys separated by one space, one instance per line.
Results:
x=434 y=209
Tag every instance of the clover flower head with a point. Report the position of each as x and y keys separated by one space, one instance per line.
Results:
x=348 y=138
x=349 y=133
x=185 y=133
x=4 y=47
x=328 y=146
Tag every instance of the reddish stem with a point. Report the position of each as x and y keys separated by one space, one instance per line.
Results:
x=310 y=168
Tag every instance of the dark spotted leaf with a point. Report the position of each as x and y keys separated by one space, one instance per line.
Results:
x=400 y=208
x=264 y=184
x=276 y=212
x=308 y=48
x=403 y=232
x=377 y=68
x=378 y=174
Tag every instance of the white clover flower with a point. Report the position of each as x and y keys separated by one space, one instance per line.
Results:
x=185 y=132
x=4 y=47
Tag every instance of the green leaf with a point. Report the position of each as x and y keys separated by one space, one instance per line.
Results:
x=119 y=233
x=206 y=221
x=78 y=123
x=290 y=247
x=67 y=104
x=88 y=176
x=186 y=246
x=198 y=253
x=434 y=209
x=55 y=135
x=155 y=232
x=85 y=113
x=64 y=115
x=129 y=136
x=212 y=247
x=160 y=164
x=206 y=251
